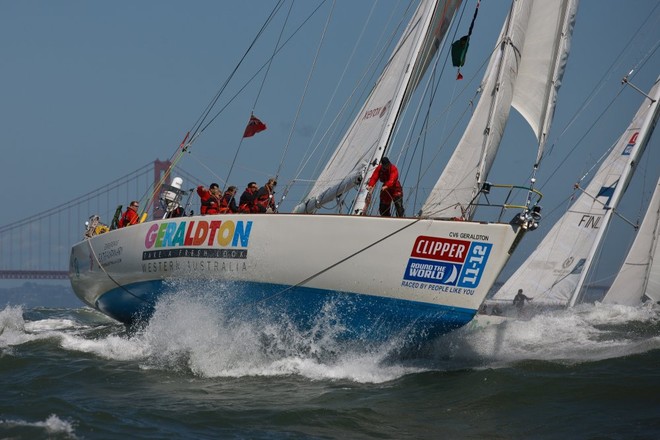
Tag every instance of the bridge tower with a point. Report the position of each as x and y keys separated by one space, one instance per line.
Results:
x=160 y=169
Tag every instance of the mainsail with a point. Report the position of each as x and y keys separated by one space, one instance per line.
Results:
x=367 y=139
x=525 y=72
x=640 y=274
x=555 y=272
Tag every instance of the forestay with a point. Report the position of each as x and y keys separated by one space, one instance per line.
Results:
x=525 y=72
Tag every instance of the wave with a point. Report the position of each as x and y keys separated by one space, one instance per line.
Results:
x=192 y=332
x=52 y=426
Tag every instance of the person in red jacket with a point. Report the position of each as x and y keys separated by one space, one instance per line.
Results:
x=228 y=202
x=391 y=190
x=210 y=199
x=246 y=203
x=130 y=217
x=265 y=198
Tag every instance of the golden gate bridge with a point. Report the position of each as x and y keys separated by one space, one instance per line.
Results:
x=38 y=247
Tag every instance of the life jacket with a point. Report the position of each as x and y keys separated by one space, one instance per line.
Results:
x=209 y=202
x=247 y=202
x=213 y=205
x=264 y=200
x=385 y=175
x=126 y=218
x=224 y=207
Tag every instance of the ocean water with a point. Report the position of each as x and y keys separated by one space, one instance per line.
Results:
x=71 y=373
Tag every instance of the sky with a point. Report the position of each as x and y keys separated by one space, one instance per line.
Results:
x=90 y=91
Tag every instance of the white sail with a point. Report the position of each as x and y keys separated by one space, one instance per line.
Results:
x=553 y=274
x=640 y=274
x=525 y=72
x=366 y=141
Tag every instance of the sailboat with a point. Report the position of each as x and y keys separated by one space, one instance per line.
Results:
x=421 y=276
x=639 y=278
x=554 y=274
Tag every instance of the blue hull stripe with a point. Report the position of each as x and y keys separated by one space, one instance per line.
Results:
x=364 y=317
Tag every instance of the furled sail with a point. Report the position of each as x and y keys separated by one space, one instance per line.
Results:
x=640 y=274
x=366 y=140
x=555 y=272
x=525 y=72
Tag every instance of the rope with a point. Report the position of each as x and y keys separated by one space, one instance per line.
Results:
x=302 y=98
x=110 y=277
x=311 y=277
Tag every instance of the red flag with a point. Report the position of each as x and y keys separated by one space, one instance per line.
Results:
x=254 y=126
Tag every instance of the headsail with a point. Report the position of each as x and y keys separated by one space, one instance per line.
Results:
x=366 y=140
x=640 y=274
x=555 y=271
x=525 y=72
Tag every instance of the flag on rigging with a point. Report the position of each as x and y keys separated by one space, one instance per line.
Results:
x=254 y=126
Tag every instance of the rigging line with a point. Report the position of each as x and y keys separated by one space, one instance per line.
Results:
x=270 y=62
x=263 y=66
x=339 y=82
x=408 y=142
x=309 y=79
x=214 y=100
x=200 y=162
x=154 y=188
x=321 y=272
x=263 y=82
x=601 y=83
x=197 y=126
x=369 y=70
x=421 y=138
x=91 y=248
x=196 y=131
x=579 y=141
x=605 y=207
x=374 y=74
x=450 y=105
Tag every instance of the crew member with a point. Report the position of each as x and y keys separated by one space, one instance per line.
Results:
x=520 y=298
x=228 y=202
x=130 y=217
x=265 y=199
x=391 y=190
x=210 y=199
x=246 y=203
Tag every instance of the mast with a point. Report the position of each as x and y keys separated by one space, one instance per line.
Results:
x=405 y=91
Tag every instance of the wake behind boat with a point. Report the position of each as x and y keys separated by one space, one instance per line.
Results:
x=423 y=275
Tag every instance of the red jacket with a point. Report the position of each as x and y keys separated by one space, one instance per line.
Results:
x=247 y=201
x=264 y=199
x=389 y=176
x=228 y=204
x=130 y=217
x=210 y=202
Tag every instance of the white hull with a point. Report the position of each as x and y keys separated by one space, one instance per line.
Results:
x=404 y=271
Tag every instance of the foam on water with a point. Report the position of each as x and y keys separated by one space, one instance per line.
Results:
x=585 y=333
x=53 y=425
x=194 y=332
